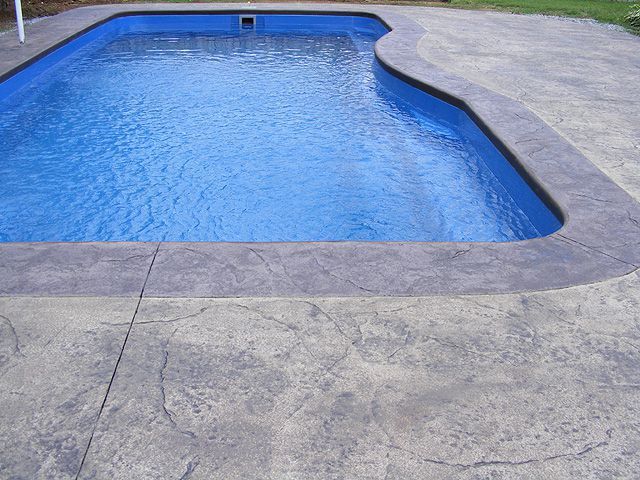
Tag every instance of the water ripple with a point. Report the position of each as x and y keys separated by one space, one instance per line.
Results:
x=252 y=137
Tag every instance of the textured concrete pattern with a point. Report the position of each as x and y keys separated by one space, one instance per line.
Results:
x=57 y=357
x=582 y=79
x=535 y=385
x=87 y=269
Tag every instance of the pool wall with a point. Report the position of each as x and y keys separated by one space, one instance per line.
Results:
x=599 y=239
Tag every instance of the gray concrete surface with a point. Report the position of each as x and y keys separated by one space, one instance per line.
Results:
x=582 y=79
x=80 y=269
x=57 y=357
x=517 y=386
x=533 y=385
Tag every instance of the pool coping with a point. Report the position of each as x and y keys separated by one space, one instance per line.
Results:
x=600 y=238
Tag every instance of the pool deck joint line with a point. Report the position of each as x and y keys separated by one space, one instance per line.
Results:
x=115 y=368
x=600 y=238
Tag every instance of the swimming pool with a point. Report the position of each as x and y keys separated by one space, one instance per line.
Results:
x=193 y=128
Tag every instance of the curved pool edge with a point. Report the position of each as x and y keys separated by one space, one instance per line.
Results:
x=600 y=238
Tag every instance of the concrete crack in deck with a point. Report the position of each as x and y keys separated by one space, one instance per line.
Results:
x=16 y=347
x=167 y=412
x=488 y=463
x=191 y=466
x=177 y=319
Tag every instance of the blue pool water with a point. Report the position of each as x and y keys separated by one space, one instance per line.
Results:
x=189 y=128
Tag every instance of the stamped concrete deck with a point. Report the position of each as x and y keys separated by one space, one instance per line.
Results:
x=529 y=385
